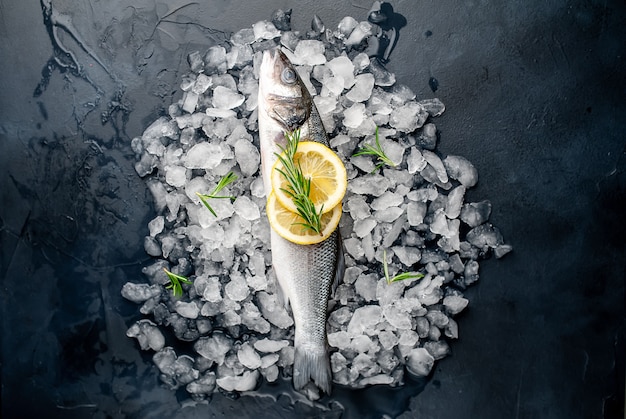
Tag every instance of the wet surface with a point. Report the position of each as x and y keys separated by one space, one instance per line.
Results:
x=534 y=96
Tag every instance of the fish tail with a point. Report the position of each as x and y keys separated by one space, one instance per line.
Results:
x=311 y=365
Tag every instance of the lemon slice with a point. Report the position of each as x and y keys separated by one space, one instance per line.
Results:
x=287 y=223
x=323 y=166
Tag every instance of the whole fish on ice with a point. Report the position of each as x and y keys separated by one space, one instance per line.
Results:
x=305 y=273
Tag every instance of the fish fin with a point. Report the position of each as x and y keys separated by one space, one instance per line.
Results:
x=281 y=296
x=340 y=267
x=311 y=366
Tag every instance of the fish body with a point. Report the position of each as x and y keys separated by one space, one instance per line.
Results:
x=305 y=273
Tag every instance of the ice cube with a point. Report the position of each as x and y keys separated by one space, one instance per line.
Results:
x=408 y=118
x=265 y=30
x=273 y=311
x=188 y=310
x=484 y=236
x=397 y=318
x=245 y=382
x=246 y=208
x=354 y=116
x=343 y=68
x=461 y=169
x=415 y=161
x=346 y=26
x=339 y=339
x=475 y=213
x=364 y=319
x=203 y=385
x=248 y=357
x=269 y=346
x=361 y=31
x=203 y=156
x=434 y=106
x=409 y=256
x=435 y=162
x=454 y=304
x=363 y=227
x=420 y=362
x=176 y=176
x=243 y=36
x=415 y=212
x=215 y=60
x=251 y=318
x=147 y=334
x=225 y=98
x=360 y=61
x=454 y=202
x=372 y=184
x=365 y=286
x=386 y=200
x=138 y=293
x=214 y=347
x=438 y=349
x=309 y=52
x=237 y=289
x=388 y=215
x=354 y=248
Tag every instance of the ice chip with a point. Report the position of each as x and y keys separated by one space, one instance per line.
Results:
x=273 y=311
x=225 y=98
x=246 y=208
x=365 y=286
x=343 y=68
x=203 y=156
x=361 y=31
x=138 y=293
x=354 y=116
x=309 y=52
x=237 y=289
x=408 y=118
x=461 y=169
x=147 y=334
x=248 y=357
x=420 y=362
x=245 y=382
x=176 y=176
x=364 y=319
x=475 y=213
x=454 y=202
x=188 y=310
x=372 y=184
x=265 y=30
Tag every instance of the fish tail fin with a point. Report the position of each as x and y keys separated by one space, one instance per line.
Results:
x=311 y=365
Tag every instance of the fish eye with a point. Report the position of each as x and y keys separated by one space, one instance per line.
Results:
x=288 y=76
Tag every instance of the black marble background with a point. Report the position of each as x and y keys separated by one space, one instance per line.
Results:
x=535 y=94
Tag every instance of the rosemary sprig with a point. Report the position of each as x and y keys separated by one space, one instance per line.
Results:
x=369 y=150
x=298 y=186
x=175 y=283
x=224 y=181
x=400 y=276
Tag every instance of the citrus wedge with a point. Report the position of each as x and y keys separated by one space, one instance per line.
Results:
x=323 y=166
x=287 y=223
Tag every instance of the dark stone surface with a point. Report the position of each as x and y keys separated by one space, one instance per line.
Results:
x=535 y=99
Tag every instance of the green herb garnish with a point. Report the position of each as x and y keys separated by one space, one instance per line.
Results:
x=299 y=187
x=398 y=277
x=224 y=181
x=175 y=283
x=369 y=150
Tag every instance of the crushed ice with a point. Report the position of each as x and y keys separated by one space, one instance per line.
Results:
x=239 y=331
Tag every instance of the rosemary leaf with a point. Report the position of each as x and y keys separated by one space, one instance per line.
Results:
x=298 y=186
x=369 y=150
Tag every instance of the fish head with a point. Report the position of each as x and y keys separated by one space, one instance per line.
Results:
x=285 y=98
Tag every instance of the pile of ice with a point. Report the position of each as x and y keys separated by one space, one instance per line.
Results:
x=237 y=331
